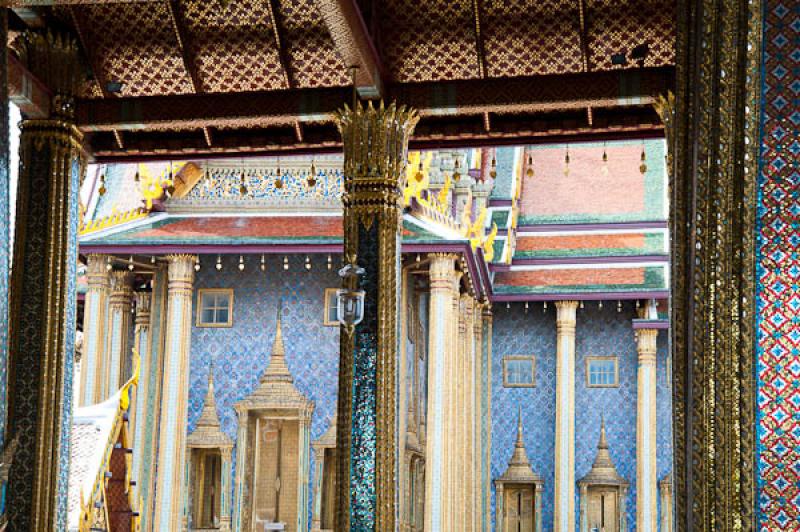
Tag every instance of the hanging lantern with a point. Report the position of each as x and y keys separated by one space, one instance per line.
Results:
x=330 y=262
x=285 y=262
x=493 y=171
x=350 y=303
x=241 y=263
x=308 y=263
x=197 y=264
x=456 y=173
x=418 y=176
x=130 y=263
x=529 y=171
x=102 y=190
x=242 y=186
x=218 y=266
x=263 y=263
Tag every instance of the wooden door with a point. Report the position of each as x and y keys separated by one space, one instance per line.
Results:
x=603 y=511
x=518 y=501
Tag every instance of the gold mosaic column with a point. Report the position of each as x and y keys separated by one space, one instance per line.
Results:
x=43 y=295
x=375 y=143
x=564 y=516
x=486 y=356
x=175 y=395
x=467 y=416
x=477 y=418
x=442 y=292
x=94 y=329
x=143 y=344
x=119 y=323
x=646 y=481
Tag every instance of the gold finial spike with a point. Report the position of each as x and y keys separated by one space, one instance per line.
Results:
x=277 y=368
x=602 y=444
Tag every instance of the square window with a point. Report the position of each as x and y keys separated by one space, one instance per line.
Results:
x=519 y=371
x=331 y=317
x=215 y=307
x=601 y=372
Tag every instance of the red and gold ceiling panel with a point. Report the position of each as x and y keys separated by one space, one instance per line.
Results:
x=313 y=60
x=618 y=26
x=233 y=47
x=530 y=37
x=429 y=41
x=134 y=43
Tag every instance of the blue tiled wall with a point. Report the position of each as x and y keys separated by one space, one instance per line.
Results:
x=241 y=352
x=605 y=332
x=518 y=333
x=599 y=332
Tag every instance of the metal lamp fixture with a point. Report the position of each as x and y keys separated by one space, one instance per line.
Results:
x=350 y=303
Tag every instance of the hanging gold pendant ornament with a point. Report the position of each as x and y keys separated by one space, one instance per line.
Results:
x=529 y=171
x=419 y=176
x=493 y=171
x=102 y=190
x=566 y=162
x=604 y=169
x=643 y=166
x=243 y=186
x=312 y=177
x=456 y=174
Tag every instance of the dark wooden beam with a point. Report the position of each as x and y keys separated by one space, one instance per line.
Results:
x=442 y=132
x=349 y=33
x=94 y=60
x=450 y=98
x=27 y=91
x=187 y=53
x=476 y=8
x=273 y=7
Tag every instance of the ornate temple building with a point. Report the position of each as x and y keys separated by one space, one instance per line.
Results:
x=223 y=275
x=369 y=266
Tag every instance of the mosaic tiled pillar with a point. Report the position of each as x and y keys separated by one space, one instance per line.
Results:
x=646 y=480
x=442 y=292
x=476 y=420
x=778 y=273
x=119 y=321
x=564 y=514
x=94 y=330
x=43 y=296
x=175 y=395
x=375 y=153
x=712 y=126
x=467 y=414
x=143 y=345
x=452 y=385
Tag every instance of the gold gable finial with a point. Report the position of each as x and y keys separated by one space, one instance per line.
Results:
x=519 y=467
x=277 y=368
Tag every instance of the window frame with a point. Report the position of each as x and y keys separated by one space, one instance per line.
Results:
x=326 y=307
x=201 y=293
x=612 y=358
x=511 y=358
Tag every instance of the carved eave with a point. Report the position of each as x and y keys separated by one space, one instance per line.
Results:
x=208 y=432
x=603 y=472
x=519 y=470
x=276 y=389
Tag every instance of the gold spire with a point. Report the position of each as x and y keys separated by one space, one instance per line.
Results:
x=277 y=370
x=519 y=467
x=207 y=431
x=603 y=469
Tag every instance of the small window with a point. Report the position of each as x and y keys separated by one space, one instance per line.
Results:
x=519 y=371
x=215 y=307
x=601 y=372
x=331 y=318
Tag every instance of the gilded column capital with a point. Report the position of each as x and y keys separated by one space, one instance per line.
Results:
x=143 y=300
x=565 y=316
x=121 y=282
x=441 y=270
x=54 y=58
x=180 y=272
x=646 y=344
x=97 y=272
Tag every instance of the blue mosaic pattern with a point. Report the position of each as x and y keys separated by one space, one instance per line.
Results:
x=363 y=436
x=598 y=333
x=4 y=254
x=518 y=333
x=241 y=352
x=70 y=313
x=220 y=184
x=606 y=332
x=663 y=412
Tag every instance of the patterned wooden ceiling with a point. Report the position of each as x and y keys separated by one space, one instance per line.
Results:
x=187 y=48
